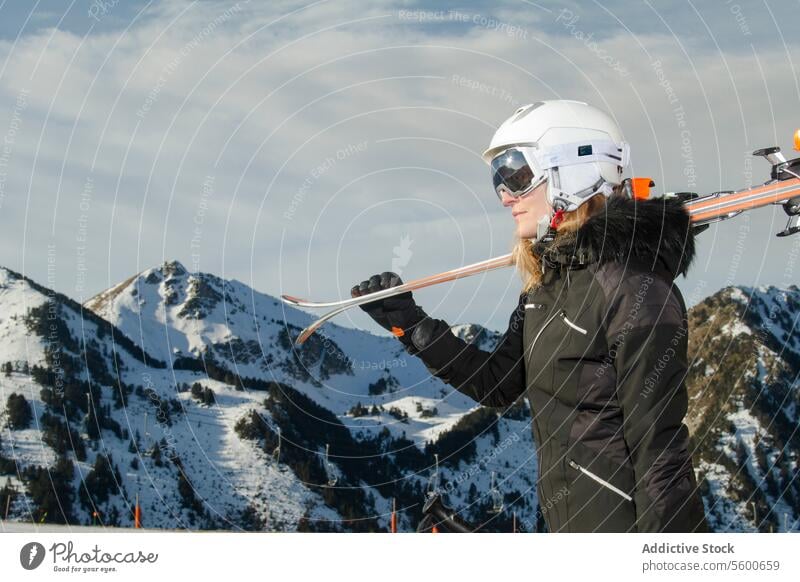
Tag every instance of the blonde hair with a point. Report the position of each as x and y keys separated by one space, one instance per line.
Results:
x=529 y=264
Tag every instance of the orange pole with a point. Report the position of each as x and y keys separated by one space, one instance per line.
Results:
x=137 y=514
x=435 y=530
x=394 y=516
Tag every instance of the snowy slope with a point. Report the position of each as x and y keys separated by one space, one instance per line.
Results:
x=217 y=464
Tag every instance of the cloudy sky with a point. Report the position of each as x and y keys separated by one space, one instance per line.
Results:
x=301 y=146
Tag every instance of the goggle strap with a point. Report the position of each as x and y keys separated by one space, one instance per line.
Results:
x=582 y=152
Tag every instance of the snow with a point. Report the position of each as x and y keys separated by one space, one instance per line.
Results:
x=737 y=294
x=735 y=328
x=747 y=428
x=724 y=514
x=17 y=297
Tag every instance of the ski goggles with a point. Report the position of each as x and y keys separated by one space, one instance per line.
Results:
x=516 y=172
x=520 y=169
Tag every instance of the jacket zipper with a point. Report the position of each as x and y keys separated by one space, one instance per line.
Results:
x=546 y=323
x=572 y=325
x=602 y=482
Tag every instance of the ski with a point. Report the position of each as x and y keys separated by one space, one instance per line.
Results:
x=480 y=267
x=344 y=305
x=782 y=188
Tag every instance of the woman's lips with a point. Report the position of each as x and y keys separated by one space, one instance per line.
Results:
x=516 y=214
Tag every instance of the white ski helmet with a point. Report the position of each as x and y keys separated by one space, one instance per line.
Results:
x=576 y=148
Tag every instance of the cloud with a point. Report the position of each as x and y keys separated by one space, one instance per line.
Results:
x=260 y=97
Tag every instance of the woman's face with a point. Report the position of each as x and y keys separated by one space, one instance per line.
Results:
x=528 y=209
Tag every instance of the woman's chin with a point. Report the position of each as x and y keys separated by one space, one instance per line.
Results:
x=525 y=231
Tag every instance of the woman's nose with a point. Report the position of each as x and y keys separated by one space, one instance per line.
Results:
x=507 y=199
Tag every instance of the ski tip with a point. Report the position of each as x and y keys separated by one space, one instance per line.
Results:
x=304 y=335
x=291 y=299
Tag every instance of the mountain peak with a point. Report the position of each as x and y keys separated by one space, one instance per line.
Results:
x=7 y=275
x=476 y=334
x=173 y=268
x=745 y=293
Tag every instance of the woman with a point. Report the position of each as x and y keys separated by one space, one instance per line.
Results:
x=597 y=343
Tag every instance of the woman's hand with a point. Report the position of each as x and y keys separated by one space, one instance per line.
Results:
x=396 y=314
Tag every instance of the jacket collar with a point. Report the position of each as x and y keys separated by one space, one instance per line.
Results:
x=656 y=231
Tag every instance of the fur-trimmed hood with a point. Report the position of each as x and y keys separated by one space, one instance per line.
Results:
x=653 y=230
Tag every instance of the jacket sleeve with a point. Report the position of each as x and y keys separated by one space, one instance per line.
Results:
x=647 y=332
x=494 y=379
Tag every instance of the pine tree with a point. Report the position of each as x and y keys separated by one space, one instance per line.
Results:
x=19 y=412
x=100 y=482
x=51 y=491
x=93 y=424
x=197 y=391
x=156 y=456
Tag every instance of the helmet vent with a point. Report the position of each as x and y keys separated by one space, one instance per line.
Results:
x=526 y=109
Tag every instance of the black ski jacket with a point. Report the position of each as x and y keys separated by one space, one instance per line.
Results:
x=600 y=353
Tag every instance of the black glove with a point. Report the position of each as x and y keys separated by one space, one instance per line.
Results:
x=398 y=314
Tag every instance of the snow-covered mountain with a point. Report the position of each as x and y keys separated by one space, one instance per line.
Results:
x=180 y=317
x=100 y=422
x=187 y=390
x=744 y=409
x=204 y=371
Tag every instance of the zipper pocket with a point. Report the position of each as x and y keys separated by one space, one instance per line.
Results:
x=546 y=323
x=572 y=325
x=600 y=480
